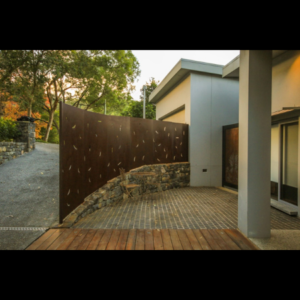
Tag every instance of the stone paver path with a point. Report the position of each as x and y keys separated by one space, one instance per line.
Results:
x=29 y=196
x=185 y=208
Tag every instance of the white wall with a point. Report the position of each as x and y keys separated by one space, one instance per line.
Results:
x=180 y=95
x=286 y=80
x=214 y=103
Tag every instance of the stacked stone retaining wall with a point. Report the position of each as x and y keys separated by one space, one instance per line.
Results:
x=11 y=150
x=164 y=177
x=24 y=143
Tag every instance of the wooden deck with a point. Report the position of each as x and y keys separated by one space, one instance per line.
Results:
x=142 y=239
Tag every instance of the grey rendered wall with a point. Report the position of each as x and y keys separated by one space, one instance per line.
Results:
x=214 y=103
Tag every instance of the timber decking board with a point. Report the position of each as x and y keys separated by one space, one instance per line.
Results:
x=105 y=239
x=246 y=241
x=142 y=239
x=80 y=236
x=40 y=240
x=87 y=239
x=237 y=239
x=112 y=244
x=131 y=240
x=175 y=239
x=218 y=239
x=122 y=240
x=210 y=240
x=201 y=239
x=193 y=240
x=157 y=240
x=149 y=243
x=65 y=244
x=228 y=240
x=50 y=240
x=59 y=240
x=186 y=245
x=95 y=240
x=165 y=234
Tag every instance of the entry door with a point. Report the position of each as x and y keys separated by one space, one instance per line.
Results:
x=289 y=163
x=230 y=155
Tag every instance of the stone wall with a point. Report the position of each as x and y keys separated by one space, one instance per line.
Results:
x=149 y=178
x=28 y=134
x=25 y=143
x=11 y=150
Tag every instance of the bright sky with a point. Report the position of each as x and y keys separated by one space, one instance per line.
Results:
x=158 y=63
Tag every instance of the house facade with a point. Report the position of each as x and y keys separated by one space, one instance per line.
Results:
x=196 y=94
x=255 y=97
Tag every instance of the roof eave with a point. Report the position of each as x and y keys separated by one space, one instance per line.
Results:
x=179 y=72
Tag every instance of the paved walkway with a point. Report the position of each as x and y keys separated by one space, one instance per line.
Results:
x=185 y=208
x=29 y=196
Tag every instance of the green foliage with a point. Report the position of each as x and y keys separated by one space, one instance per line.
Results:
x=8 y=130
x=103 y=75
x=23 y=75
x=53 y=134
x=39 y=79
x=135 y=108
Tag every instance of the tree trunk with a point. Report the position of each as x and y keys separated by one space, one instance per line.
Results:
x=51 y=116
x=30 y=109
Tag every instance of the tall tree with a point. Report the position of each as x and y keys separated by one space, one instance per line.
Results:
x=135 y=108
x=104 y=75
x=84 y=79
x=22 y=75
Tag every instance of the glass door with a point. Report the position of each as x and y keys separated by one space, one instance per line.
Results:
x=289 y=163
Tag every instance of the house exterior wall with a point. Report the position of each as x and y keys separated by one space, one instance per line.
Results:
x=180 y=95
x=285 y=80
x=214 y=103
x=274 y=152
x=177 y=118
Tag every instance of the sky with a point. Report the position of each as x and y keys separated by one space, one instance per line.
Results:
x=158 y=63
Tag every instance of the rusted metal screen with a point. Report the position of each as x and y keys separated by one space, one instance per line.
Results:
x=94 y=146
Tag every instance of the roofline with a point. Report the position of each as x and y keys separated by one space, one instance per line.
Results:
x=180 y=71
x=233 y=67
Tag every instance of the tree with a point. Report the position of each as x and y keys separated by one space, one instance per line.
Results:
x=135 y=108
x=104 y=75
x=22 y=75
x=84 y=79
x=12 y=111
x=4 y=97
x=94 y=77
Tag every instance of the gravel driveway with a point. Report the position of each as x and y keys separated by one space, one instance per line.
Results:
x=29 y=196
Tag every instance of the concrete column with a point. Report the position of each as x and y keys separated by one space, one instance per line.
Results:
x=254 y=142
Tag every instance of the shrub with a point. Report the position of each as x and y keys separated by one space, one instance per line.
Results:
x=8 y=130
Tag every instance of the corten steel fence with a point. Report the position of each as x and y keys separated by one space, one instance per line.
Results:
x=94 y=146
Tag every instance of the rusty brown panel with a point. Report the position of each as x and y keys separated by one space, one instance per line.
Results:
x=94 y=146
x=72 y=189
x=118 y=145
x=185 y=142
x=231 y=156
x=177 y=142
x=163 y=145
x=141 y=135
x=95 y=151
